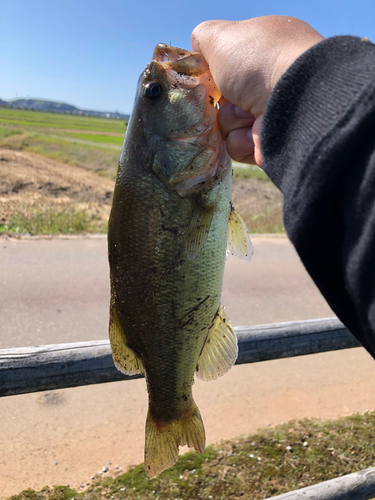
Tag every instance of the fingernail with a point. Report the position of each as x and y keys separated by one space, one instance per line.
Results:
x=241 y=113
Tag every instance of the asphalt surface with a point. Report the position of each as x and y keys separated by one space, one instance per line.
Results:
x=56 y=291
x=53 y=291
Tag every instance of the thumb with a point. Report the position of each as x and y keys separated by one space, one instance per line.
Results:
x=204 y=36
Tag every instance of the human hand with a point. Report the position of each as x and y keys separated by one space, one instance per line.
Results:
x=246 y=59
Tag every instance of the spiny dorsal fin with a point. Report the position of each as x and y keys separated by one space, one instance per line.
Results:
x=125 y=359
x=220 y=350
x=239 y=243
x=199 y=227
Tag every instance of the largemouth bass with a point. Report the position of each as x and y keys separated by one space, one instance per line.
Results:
x=167 y=244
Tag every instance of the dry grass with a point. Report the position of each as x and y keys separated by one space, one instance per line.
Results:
x=98 y=159
x=61 y=220
x=40 y=196
x=260 y=205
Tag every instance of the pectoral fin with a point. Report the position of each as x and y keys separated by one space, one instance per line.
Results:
x=239 y=243
x=125 y=359
x=220 y=350
x=199 y=227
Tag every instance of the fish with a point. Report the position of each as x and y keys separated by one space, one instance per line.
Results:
x=170 y=222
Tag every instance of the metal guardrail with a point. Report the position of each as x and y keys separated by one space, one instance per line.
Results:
x=33 y=369
x=357 y=486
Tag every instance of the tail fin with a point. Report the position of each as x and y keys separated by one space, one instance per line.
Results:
x=164 y=438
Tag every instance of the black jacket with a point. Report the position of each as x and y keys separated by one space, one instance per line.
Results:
x=318 y=146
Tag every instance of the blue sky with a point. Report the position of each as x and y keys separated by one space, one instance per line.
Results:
x=90 y=52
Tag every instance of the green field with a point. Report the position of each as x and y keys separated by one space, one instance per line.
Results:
x=60 y=121
x=90 y=142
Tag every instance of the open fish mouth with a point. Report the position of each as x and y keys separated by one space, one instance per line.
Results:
x=167 y=53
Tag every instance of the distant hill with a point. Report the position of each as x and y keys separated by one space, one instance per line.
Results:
x=58 y=107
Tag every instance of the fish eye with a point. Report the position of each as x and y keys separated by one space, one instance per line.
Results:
x=152 y=91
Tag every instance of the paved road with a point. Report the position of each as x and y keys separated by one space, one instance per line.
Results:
x=57 y=291
x=53 y=291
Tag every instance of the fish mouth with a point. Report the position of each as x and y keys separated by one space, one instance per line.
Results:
x=181 y=62
x=188 y=70
x=167 y=53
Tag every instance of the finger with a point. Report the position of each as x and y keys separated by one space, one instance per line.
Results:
x=231 y=117
x=240 y=145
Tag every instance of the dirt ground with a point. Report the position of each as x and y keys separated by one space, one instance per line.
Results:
x=29 y=181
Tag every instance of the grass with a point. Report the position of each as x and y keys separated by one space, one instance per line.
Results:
x=257 y=200
x=68 y=220
x=271 y=462
x=89 y=142
x=245 y=172
x=72 y=139
x=100 y=139
x=99 y=159
x=268 y=221
x=60 y=121
x=8 y=132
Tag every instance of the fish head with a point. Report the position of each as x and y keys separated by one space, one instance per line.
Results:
x=176 y=112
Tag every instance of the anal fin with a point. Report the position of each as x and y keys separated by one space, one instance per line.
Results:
x=239 y=243
x=124 y=358
x=220 y=350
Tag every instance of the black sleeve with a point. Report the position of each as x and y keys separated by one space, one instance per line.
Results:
x=318 y=146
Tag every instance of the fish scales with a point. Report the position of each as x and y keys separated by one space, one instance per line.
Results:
x=167 y=243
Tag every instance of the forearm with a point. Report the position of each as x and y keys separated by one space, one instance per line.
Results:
x=318 y=146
